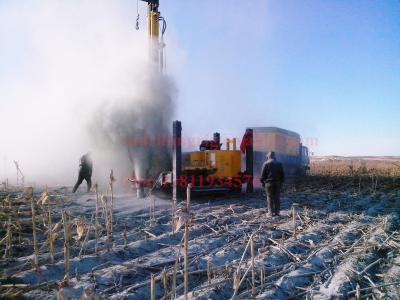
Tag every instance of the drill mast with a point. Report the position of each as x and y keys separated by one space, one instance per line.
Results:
x=156 y=42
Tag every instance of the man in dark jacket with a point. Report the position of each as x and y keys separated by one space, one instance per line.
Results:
x=85 y=172
x=272 y=177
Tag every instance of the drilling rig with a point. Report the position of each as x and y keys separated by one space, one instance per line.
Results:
x=212 y=169
x=156 y=26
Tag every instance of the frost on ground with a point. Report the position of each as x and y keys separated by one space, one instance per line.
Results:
x=343 y=244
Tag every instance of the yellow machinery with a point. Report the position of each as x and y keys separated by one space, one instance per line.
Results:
x=212 y=167
x=217 y=163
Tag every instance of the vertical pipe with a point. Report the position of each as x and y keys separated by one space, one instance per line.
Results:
x=176 y=164
x=249 y=160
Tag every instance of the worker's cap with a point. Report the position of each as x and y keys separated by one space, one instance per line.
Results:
x=270 y=155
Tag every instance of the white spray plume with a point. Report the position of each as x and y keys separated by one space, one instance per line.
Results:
x=77 y=80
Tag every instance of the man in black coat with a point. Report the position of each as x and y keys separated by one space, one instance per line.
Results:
x=85 y=172
x=272 y=177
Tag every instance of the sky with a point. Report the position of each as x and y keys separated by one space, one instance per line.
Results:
x=329 y=70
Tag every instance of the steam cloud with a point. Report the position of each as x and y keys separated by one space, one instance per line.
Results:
x=79 y=80
x=129 y=128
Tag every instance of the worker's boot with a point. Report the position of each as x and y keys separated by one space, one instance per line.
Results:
x=269 y=190
x=269 y=207
x=277 y=203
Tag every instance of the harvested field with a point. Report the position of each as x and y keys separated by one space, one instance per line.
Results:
x=342 y=242
x=111 y=110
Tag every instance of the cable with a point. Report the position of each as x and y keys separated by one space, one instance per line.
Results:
x=162 y=44
x=164 y=26
x=138 y=16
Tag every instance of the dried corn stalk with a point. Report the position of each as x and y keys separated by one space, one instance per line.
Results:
x=80 y=229
x=44 y=198
x=35 y=246
x=9 y=230
x=112 y=179
x=51 y=236
x=106 y=219
x=67 y=240
x=96 y=228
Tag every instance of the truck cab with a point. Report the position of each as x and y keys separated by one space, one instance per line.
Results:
x=304 y=159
